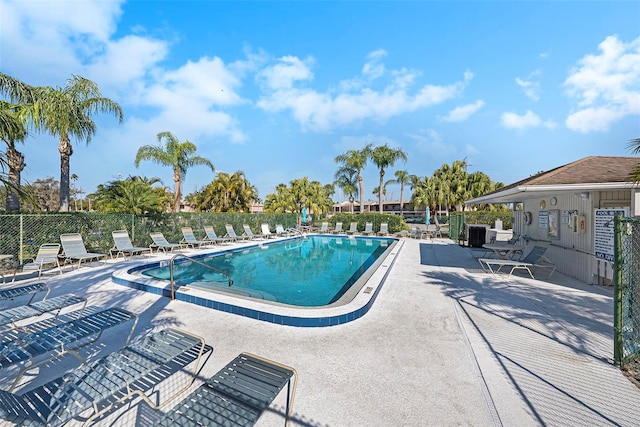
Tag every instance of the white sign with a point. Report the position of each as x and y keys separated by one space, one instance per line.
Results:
x=603 y=232
x=543 y=219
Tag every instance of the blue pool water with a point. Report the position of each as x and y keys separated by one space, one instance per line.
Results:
x=308 y=272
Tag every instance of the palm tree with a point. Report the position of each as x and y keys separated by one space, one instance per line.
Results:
x=13 y=129
x=132 y=195
x=66 y=112
x=384 y=156
x=300 y=194
x=424 y=192
x=634 y=146
x=279 y=201
x=356 y=159
x=346 y=178
x=227 y=193
x=402 y=178
x=179 y=155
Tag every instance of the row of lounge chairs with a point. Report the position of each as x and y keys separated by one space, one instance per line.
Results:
x=236 y=395
x=72 y=250
x=353 y=229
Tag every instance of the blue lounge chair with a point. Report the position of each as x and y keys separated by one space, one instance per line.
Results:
x=123 y=245
x=106 y=382
x=51 y=305
x=11 y=292
x=59 y=339
x=74 y=249
x=237 y=395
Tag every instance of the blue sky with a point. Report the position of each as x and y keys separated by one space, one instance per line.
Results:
x=278 y=89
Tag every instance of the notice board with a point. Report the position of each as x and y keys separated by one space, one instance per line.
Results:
x=603 y=232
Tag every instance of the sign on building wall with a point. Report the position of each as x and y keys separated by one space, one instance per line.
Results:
x=603 y=232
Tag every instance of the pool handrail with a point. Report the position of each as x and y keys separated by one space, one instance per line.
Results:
x=173 y=292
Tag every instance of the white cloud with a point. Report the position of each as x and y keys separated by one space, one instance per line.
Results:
x=138 y=53
x=56 y=36
x=530 y=86
x=430 y=142
x=374 y=67
x=287 y=71
x=606 y=86
x=77 y=37
x=527 y=120
x=460 y=114
x=354 y=101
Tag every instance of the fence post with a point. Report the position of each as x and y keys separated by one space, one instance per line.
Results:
x=21 y=240
x=618 y=292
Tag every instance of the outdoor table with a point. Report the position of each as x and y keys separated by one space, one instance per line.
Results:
x=504 y=250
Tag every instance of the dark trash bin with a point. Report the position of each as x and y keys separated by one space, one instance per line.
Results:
x=477 y=235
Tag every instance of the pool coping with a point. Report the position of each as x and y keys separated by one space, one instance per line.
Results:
x=278 y=314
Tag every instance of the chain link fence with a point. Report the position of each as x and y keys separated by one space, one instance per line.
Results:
x=22 y=234
x=627 y=290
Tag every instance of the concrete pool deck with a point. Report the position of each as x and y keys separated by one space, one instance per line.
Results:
x=443 y=344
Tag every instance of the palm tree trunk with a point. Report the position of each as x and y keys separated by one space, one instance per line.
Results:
x=401 y=199
x=361 y=184
x=66 y=151
x=15 y=161
x=380 y=190
x=177 y=179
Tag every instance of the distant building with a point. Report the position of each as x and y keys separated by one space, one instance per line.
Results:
x=391 y=207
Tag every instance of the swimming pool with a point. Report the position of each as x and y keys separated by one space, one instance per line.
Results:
x=307 y=272
x=316 y=280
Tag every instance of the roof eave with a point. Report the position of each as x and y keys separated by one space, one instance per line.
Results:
x=524 y=192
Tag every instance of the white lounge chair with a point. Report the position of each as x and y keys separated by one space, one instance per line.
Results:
x=338 y=229
x=266 y=232
x=249 y=234
x=324 y=228
x=123 y=245
x=74 y=249
x=47 y=256
x=189 y=238
x=384 y=229
x=162 y=244
x=353 y=228
x=534 y=259
x=280 y=231
x=368 y=229
x=213 y=237
x=231 y=233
